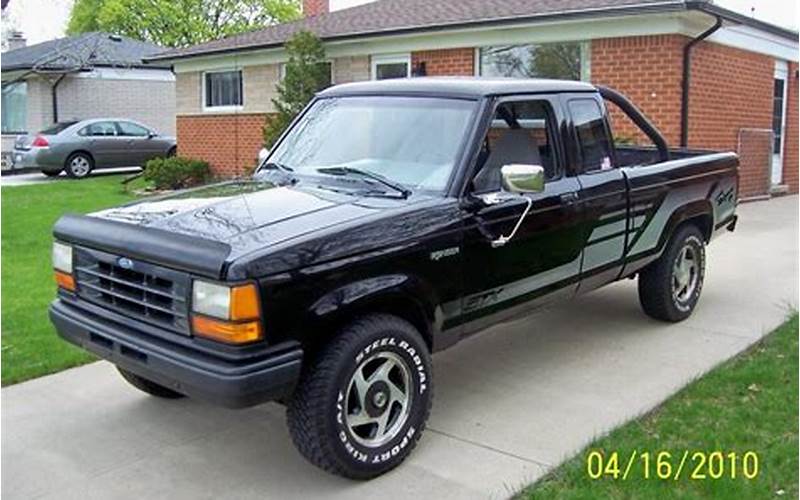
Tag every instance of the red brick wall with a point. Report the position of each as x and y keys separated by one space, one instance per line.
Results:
x=230 y=143
x=731 y=90
x=790 y=160
x=315 y=7
x=755 y=155
x=448 y=62
x=647 y=69
x=731 y=98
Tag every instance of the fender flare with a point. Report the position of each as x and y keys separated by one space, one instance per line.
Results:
x=692 y=210
x=403 y=291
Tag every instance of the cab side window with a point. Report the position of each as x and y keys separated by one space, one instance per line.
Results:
x=99 y=129
x=521 y=132
x=129 y=129
x=590 y=127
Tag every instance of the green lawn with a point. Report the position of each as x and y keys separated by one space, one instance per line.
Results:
x=747 y=404
x=29 y=344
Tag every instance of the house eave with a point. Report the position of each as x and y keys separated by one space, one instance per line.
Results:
x=655 y=8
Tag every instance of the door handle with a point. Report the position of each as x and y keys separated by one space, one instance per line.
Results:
x=569 y=198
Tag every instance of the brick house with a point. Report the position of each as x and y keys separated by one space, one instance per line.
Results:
x=709 y=78
x=92 y=75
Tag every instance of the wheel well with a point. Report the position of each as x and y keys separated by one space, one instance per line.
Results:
x=79 y=151
x=396 y=305
x=703 y=222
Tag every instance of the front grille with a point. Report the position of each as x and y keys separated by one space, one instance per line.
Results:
x=145 y=292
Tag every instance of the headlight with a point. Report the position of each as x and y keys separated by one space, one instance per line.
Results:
x=226 y=313
x=211 y=299
x=62 y=257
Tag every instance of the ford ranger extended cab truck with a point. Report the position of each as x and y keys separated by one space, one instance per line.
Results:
x=390 y=221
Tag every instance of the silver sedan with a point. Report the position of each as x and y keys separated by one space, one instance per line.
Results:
x=79 y=147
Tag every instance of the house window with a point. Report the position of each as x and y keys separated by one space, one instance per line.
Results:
x=223 y=89
x=329 y=73
x=14 y=108
x=391 y=66
x=565 y=61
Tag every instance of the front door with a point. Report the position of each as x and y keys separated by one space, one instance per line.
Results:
x=104 y=143
x=778 y=120
x=543 y=258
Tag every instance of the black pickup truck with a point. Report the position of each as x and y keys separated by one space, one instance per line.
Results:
x=390 y=221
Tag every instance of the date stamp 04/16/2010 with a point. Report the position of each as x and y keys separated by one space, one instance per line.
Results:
x=665 y=465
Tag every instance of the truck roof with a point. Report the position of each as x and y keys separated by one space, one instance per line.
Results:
x=458 y=86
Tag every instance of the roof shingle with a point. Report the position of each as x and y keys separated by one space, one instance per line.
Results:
x=385 y=16
x=95 y=49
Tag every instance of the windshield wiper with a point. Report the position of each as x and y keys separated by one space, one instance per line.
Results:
x=277 y=166
x=288 y=172
x=404 y=192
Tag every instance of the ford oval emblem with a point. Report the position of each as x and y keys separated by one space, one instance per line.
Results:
x=125 y=263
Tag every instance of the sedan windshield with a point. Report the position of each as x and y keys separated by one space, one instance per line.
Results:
x=410 y=141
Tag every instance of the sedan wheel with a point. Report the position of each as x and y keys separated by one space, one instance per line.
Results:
x=79 y=165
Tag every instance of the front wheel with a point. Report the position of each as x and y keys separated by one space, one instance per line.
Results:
x=670 y=287
x=360 y=409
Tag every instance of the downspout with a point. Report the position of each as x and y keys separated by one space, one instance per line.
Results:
x=54 y=90
x=687 y=74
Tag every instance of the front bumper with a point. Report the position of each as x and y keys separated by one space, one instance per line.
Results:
x=270 y=375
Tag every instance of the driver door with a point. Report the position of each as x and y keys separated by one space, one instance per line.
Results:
x=543 y=259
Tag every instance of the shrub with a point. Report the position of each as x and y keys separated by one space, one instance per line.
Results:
x=176 y=172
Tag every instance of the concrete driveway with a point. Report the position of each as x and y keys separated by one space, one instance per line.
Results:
x=509 y=405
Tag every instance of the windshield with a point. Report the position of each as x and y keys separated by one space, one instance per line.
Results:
x=57 y=128
x=412 y=141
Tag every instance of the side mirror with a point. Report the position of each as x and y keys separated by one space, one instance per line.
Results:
x=520 y=178
x=151 y=134
x=262 y=155
x=517 y=179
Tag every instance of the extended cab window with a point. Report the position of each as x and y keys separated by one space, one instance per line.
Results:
x=521 y=132
x=590 y=127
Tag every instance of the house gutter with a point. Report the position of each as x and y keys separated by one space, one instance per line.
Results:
x=687 y=78
x=54 y=91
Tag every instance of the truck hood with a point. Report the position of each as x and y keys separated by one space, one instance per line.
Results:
x=222 y=211
x=204 y=229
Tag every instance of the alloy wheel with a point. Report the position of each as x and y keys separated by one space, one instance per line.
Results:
x=378 y=399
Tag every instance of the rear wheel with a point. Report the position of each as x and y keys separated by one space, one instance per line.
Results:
x=670 y=287
x=149 y=386
x=79 y=165
x=360 y=409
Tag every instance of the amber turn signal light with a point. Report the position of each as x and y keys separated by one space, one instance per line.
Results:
x=65 y=281
x=244 y=302
x=227 y=331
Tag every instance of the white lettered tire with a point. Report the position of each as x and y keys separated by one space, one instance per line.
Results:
x=362 y=405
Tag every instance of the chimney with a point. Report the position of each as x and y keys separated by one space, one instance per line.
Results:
x=16 y=40
x=315 y=7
